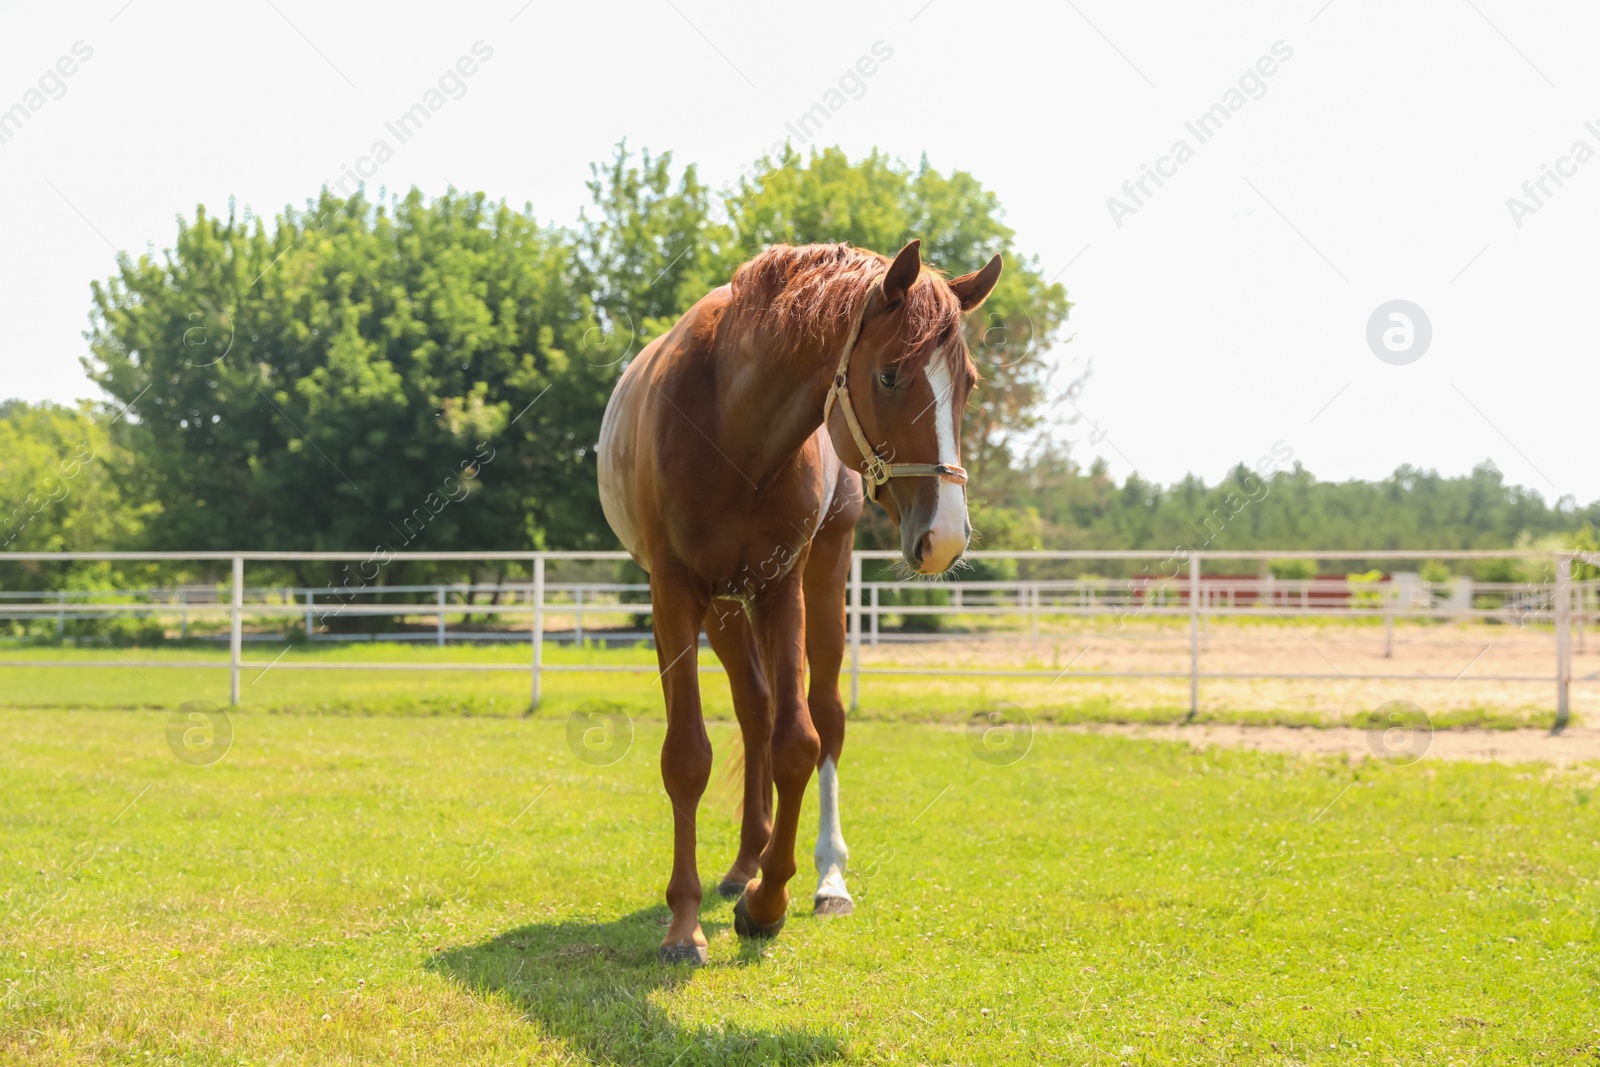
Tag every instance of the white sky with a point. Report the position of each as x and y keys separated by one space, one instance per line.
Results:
x=1227 y=314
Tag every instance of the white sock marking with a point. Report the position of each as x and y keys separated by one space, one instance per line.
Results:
x=832 y=856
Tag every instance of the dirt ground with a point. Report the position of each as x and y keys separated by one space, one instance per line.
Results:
x=1444 y=669
x=1574 y=745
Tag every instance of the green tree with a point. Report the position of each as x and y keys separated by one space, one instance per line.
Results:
x=356 y=374
x=649 y=248
x=60 y=472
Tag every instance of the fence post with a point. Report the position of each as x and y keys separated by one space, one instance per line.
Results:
x=1194 y=634
x=537 y=630
x=577 y=616
x=311 y=602
x=439 y=630
x=1388 y=619
x=1583 y=613
x=855 y=630
x=876 y=601
x=236 y=632
x=61 y=613
x=183 y=617
x=1563 y=613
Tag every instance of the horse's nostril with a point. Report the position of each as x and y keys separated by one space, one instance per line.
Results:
x=924 y=546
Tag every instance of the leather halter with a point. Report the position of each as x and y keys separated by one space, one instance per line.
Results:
x=875 y=469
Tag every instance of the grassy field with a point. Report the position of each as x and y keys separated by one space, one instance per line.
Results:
x=449 y=889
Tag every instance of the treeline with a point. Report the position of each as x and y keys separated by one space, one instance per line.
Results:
x=65 y=475
x=414 y=373
x=1065 y=506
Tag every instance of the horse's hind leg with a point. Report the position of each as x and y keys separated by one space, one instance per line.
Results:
x=677 y=609
x=728 y=629
x=826 y=576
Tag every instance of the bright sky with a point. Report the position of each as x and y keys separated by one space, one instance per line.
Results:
x=1227 y=312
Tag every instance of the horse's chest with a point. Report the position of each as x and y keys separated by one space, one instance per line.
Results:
x=778 y=530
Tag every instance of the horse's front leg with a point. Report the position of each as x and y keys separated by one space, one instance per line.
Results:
x=778 y=617
x=826 y=576
x=677 y=607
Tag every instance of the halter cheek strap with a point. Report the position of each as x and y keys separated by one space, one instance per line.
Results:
x=874 y=468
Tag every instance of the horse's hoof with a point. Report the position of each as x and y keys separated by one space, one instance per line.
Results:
x=828 y=906
x=731 y=890
x=693 y=955
x=747 y=927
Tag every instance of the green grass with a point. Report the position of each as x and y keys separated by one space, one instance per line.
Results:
x=502 y=693
x=380 y=692
x=902 y=698
x=455 y=890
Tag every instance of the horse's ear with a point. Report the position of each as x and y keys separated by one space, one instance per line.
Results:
x=972 y=289
x=902 y=272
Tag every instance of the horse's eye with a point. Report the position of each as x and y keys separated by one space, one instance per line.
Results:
x=886 y=379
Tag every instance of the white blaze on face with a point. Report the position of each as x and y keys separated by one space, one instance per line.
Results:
x=831 y=854
x=949 y=528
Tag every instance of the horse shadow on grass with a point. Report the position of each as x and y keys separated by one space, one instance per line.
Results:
x=590 y=984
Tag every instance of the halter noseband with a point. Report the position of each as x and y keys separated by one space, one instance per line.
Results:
x=875 y=469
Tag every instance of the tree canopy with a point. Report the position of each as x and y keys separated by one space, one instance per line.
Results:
x=60 y=478
x=352 y=375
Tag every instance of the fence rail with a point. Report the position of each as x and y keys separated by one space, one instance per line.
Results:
x=1565 y=604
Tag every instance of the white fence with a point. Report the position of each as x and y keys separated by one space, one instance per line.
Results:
x=1566 y=605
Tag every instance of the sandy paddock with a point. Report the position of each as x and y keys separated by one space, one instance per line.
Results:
x=1444 y=669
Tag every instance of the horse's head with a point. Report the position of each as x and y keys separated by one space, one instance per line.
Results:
x=906 y=383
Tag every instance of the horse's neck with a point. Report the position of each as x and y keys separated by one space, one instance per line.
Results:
x=773 y=404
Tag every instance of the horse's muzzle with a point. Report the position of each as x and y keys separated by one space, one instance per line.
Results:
x=937 y=549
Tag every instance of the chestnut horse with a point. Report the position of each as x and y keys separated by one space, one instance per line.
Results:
x=727 y=461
